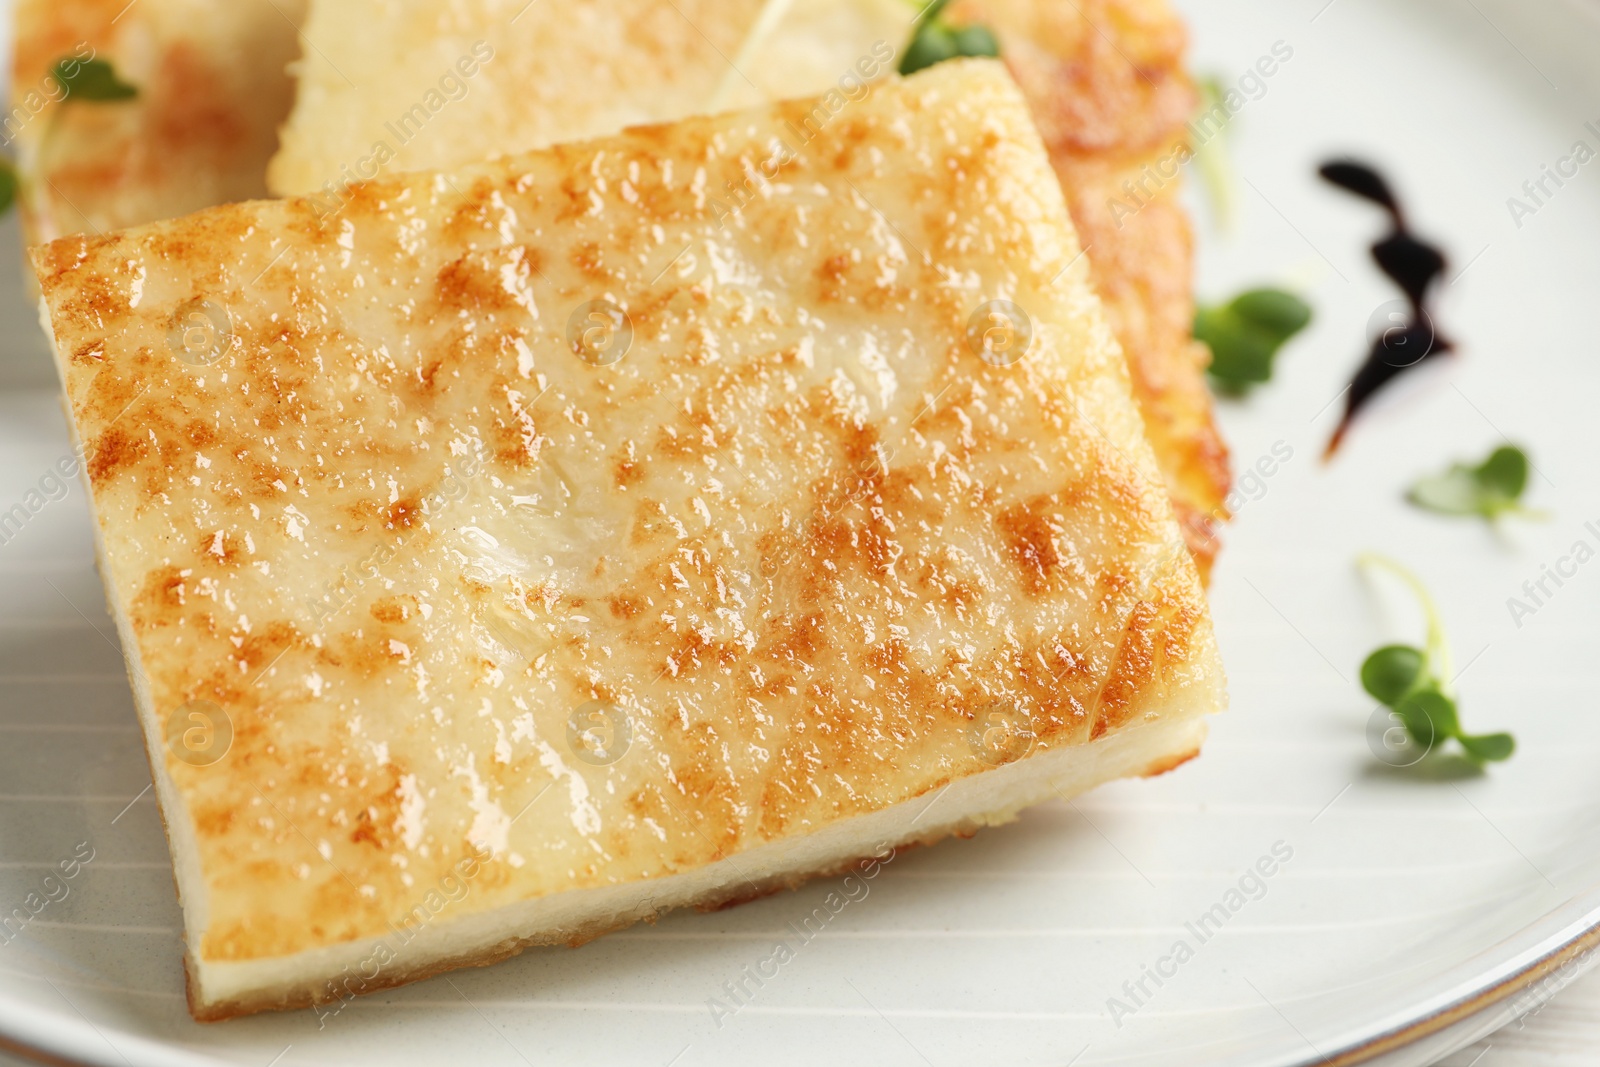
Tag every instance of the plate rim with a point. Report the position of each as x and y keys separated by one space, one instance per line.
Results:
x=1576 y=939
x=1495 y=986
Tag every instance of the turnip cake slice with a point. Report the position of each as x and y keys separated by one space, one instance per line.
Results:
x=651 y=521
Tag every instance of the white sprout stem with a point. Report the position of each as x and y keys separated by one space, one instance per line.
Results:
x=1438 y=649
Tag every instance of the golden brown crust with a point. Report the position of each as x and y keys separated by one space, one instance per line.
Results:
x=1167 y=764
x=1106 y=84
x=845 y=538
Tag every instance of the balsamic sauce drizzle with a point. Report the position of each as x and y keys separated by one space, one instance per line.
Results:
x=1414 y=265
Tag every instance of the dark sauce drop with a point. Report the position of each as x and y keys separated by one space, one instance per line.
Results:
x=1414 y=265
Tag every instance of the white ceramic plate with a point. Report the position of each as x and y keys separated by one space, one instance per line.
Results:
x=1408 y=901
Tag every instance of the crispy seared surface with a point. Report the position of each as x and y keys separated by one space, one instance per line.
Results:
x=800 y=534
x=1104 y=78
x=213 y=87
x=1107 y=87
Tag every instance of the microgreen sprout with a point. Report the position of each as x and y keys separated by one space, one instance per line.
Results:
x=1489 y=490
x=8 y=185
x=933 y=40
x=1211 y=155
x=80 y=79
x=1411 y=682
x=1244 y=335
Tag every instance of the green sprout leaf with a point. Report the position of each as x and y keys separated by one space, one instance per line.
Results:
x=91 y=79
x=1411 y=681
x=1488 y=747
x=1245 y=334
x=1429 y=713
x=1392 y=672
x=1489 y=490
x=977 y=40
x=8 y=185
x=934 y=41
x=1284 y=314
x=1505 y=472
x=930 y=44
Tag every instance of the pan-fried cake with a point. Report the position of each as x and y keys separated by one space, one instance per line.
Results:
x=409 y=84
x=213 y=86
x=548 y=529
x=1104 y=79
